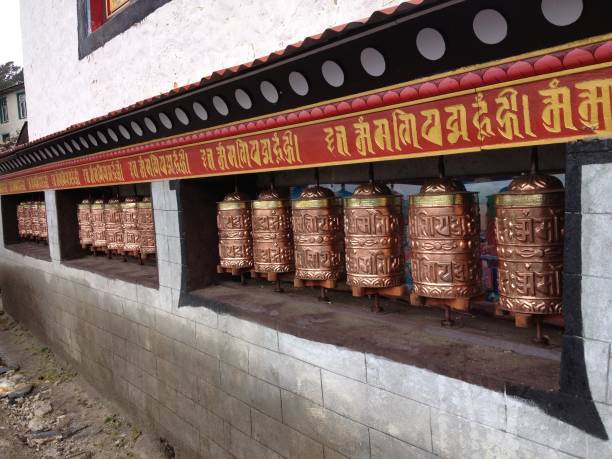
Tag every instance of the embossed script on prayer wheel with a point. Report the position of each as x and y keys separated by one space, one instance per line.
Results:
x=529 y=232
x=97 y=225
x=42 y=220
x=114 y=228
x=318 y=235
x=27 y=219
x=372 y=227
x=129 y=221
x=85 y=223
x=444 y=225
x=272 y=234
x=35 y=219
x=146 y=227
x=21 y=220
x=234 y=227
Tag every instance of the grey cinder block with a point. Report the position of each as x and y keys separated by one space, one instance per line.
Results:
x=334 y=358
x=283 y=439
x=255 y=392
x=377 y=408
x=281 y=370
x=387 y=447
x=249 y=331
x=329 y=428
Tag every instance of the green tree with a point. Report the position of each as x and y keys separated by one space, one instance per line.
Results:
x=10 y=74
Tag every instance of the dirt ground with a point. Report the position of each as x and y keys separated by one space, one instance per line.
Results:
x=48 y=411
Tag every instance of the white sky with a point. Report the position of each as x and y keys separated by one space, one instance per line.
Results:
x=10 y=32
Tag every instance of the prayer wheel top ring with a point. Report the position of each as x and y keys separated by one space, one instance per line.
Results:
x=318 y=235
x=272 y=233
x=529 y=231
x=444 y=227
x=234 y=227
x=373 y=237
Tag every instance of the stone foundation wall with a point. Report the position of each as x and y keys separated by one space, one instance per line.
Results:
x=218 y=386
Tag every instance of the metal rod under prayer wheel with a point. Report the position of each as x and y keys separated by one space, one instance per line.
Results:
x=529 y=233
x=373 y=239
x=319 y=239
x=444 y=225
x=235 y=239
x=272 y=236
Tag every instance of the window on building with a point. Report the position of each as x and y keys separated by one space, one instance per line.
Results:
x=100 y=11
x=5 y=138
x=101 y=20
x=4 y=118
x=22 y=110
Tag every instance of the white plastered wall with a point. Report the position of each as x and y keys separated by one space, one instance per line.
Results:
x=179 y=43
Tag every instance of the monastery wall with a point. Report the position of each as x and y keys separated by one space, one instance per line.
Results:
x=155 y=55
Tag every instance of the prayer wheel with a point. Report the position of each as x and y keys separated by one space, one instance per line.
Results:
x=20 y=220
x=146 y=227
x=444 y=228
x=35 y=215
x=27 y=219
x=42 y=220
x=234 y=227
x=129 y=221
x=114 y=228
x=529 y=234
x=373 y=239
x=318 y=237
x=98 y=227
x=84 y=218
x=272 y=235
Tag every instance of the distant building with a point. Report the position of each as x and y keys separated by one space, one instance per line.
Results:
x=13 y=112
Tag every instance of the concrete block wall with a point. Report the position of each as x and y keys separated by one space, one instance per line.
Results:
x=218 y=386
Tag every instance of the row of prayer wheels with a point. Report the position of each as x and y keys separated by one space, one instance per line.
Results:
x=117 y=227
x=321 y=239
x=32 y=220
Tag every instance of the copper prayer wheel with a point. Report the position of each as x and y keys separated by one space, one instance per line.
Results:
x=114 y=228
x=20 y=220
x=27 y=219
x=272 y=234
x=373 y=238
x=318 y=236
x=129 y=221
x=84 y=218
x=35 y=215
x=146 y=227
x=529 y=233
x=97 y=225
x=42 y=220
x=444 y=225
x=234 y=227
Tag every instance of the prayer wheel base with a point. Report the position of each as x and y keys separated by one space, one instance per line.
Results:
x=456 y=304
x=396 y=291
x=327 y=283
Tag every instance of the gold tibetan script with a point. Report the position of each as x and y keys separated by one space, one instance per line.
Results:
x=278 y=149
